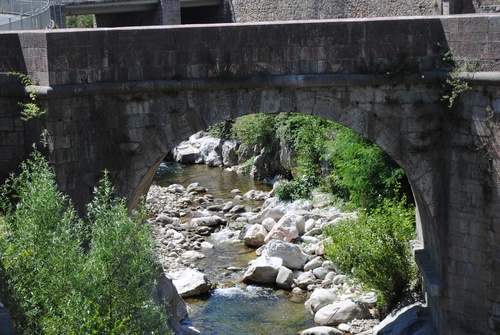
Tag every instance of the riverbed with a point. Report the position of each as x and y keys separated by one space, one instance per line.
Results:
x=233 y=307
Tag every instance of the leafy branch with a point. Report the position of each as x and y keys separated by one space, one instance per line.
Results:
x=455 y=85
x=30 y=109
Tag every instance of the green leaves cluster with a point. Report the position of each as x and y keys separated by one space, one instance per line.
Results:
x=80 y=21
x=30 y=109
x=454 y=84
x=361 y=170
x=254 y=129
x=64 y=275
x=374 y=249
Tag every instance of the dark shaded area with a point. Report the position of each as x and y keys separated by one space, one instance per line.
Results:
x=207 y=14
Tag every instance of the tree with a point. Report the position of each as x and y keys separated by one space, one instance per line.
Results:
x=51 y=284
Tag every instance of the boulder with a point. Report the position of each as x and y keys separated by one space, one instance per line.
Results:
x=287 y=228
x=210 y=150
x=229 y=152
x=263 y=270
x=256 y=195
x=319 y=299
x=268 y=223
x=284 y=279
x=270 y=209
x=185 y=153
x=208 y=221
x=320 y=272
x=165 y=219
x=341 y=312
x=190 y=282
x=291 y=254
x=314 y=263
x=165 y=291
x=254 y=237
x=306 y=279
x=413 y=319
x=322 y=330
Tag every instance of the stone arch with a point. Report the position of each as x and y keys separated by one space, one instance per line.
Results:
x=403 y=120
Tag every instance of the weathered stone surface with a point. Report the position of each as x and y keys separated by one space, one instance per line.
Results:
x=305 y=279
x=410 y=320
x=185 y=153
x=284 y=279
x=291 y=254
x=254 y=237
x=229 y=152
x=268 y=223
x=313 y=263
x=208 y=221
x=210 y=150
x=190 y=282
x=340 y=312
x=322 y=330
x=319 y=299
x=287 y=228
x=263 y=270
x=176 y=307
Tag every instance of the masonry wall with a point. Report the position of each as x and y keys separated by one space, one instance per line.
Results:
x=285 y=10
x=107 y=89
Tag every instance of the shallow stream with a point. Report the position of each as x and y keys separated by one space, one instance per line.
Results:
x=233 y=307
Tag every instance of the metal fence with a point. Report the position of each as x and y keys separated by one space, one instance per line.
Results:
x=24 y=14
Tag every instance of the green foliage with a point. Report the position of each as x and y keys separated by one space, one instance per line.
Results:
x=455 y=85
x=307 y=136
x=246 y=167
x=375 y=249
x=30 y=109
x=80 y=21
x=254 y=129
x=361 y=170
x=54 y=286
x=291 y=190
x=222 y=129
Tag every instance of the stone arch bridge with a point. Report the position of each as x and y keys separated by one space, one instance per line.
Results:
x=118 y=98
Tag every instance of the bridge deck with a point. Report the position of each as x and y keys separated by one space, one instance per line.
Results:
x=81 y=7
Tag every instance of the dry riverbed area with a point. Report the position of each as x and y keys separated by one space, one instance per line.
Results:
x=289 y=251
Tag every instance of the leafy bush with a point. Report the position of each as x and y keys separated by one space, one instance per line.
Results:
x=361 y=169
x=51 y=284
x=254 y=129
x=307 y=136
x=291 y=190
x=375 y=249
x=222 y=130
x=80 y=21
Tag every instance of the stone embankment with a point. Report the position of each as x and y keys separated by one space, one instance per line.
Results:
x=289 y=244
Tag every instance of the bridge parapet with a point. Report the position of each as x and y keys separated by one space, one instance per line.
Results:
x=217 y=51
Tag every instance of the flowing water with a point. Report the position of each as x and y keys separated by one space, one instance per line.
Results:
x=233 y=307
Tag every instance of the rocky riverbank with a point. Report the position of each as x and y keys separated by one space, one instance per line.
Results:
x=289 y=244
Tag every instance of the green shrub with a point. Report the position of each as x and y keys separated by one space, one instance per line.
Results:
x=246 y=167
x=222 y=130
x=254 y=129
x=51 y=284
x=361 y=170
x=291 y=190
x=375 y=249
x=307 y=136
x=80 y=21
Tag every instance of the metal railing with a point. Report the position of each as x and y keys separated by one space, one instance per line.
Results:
x=24 y=14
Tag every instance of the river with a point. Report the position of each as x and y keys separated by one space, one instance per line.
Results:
x=233 y=307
